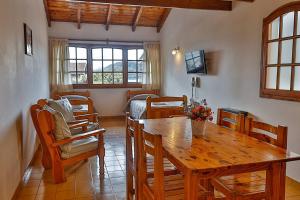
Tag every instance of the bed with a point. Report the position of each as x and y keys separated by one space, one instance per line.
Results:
x=147 y=104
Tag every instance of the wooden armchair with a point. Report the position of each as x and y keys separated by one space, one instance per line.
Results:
x=52 y=154
x=231 y=120
x=253 y=185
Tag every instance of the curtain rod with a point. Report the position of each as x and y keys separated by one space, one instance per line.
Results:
x=108 y=41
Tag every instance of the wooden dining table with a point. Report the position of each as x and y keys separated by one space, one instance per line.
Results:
x=217 y=151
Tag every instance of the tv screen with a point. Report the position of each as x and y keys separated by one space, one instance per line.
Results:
x=195 y=62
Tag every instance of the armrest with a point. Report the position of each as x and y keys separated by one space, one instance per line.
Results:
x=83 y=124
x=77 y=121
x=79 y=137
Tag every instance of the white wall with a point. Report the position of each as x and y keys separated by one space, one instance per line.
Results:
x=108 y=102
x=23 y=80
x=232 y=41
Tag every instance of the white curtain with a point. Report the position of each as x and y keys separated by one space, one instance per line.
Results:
x=151 y=80
x=60 y=80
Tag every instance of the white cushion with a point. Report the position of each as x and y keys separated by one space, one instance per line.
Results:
x=75 y=97
x=64 y=107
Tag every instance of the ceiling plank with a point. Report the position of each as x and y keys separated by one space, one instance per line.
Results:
x=137 y=17
x=163 y=19
x=108 y=17
x=47 y=13
x=199 y=4
x=79 y=16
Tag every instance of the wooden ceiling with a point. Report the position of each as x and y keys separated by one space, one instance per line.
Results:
x=149 y=13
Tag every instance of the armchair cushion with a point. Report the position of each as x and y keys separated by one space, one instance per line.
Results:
x=64 y=107
x=75 y=97
x=62 y=130
x=81 y=146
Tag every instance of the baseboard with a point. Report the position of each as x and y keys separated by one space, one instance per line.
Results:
x=106 y=118
x=19 y=187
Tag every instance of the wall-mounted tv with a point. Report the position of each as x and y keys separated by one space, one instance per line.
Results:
x=195 y=62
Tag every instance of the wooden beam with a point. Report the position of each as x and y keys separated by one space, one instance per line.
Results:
x=47 y=13
x=108 y=17
x=163 y=19
x=199 y=4
x=79 y=16
x=137 y=17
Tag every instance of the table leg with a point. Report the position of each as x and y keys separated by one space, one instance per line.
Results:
x=191 y=181
x=277 y=173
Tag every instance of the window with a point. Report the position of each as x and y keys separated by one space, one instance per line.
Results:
x=92 y=66
x=280 y=75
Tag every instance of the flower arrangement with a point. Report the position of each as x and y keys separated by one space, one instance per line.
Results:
x=201 y=112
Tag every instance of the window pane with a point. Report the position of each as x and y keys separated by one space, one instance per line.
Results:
x=132 y=77
x=297 y=78
x=285 y=78
x=72 y=53
x=132 y=66
x=298 y=51
x=271 y=77
x=107 y=66
x=288 y=24
x=118 y=78
x=97 y=53
x=97 y=66
x=107 y=53
x=108 y=78
x=97 y=78
x=141 y=66
x=118 y=66
x=118 y=54
x=273 y=53
x=73 y=77
x=274 y=29
x=81 y=78
x=286 y=52
x=81 y=53
x=71 y=65
x=132 y=54
x=82 y=65
x=141 y=54
x=140 y=77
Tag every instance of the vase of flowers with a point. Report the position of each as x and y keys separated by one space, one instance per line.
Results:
x=199 y=114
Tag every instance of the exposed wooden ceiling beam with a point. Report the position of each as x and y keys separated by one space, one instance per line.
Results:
x=199 y=4
x=108 y=17
x=137 y=17
x=163 y=19
x=47 y=13
x=79 y=16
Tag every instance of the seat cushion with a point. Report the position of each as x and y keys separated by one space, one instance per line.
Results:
x=64 y=107
x=92 y=126
x=80 y=146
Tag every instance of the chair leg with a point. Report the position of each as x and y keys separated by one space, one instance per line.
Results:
x=58 y=172
x=46 y=161
x=101 y=153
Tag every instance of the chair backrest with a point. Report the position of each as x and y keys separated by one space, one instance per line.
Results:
x=44 y=124
x=165 y=111
x=276 y=135
x=152 y=145
x=233 y=121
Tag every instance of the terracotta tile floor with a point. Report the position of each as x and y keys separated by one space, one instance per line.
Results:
x=83 y=182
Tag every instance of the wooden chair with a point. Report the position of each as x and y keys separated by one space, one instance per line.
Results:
x=153 y=112
x=234 y=121
x=133 y=144
x=132 y=93
x=160 y=187
x=252 y=185
x=45 y=126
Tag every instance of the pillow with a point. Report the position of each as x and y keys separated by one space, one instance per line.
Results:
x=74 y=97
x=64 y=107
x=62 y=130
x=143 y=96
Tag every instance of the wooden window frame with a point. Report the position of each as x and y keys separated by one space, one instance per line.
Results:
x=277 y=93
x=90 y=85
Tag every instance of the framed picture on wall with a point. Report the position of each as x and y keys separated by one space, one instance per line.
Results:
x=28 y=40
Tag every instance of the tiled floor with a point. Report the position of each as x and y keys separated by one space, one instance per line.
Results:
x=83 y=182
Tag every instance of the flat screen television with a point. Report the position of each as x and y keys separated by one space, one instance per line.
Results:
x=195 y=62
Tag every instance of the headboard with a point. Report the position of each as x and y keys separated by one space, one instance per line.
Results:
x=57 y=95
x=132 y=93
